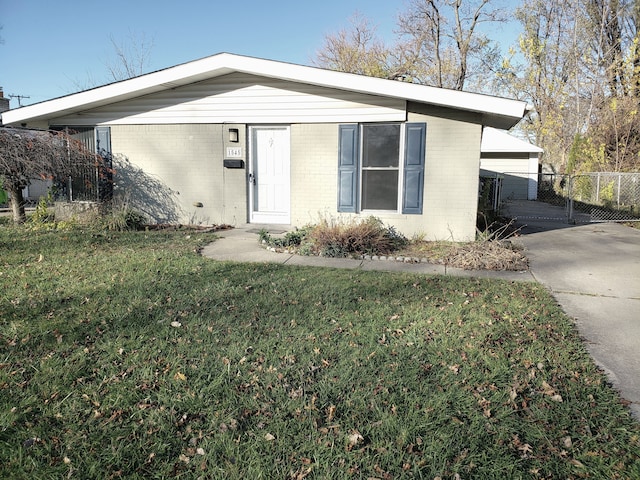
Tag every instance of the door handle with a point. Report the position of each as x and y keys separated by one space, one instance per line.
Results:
x=252 y=178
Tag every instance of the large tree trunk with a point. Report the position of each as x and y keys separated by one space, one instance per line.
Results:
x=17 y=204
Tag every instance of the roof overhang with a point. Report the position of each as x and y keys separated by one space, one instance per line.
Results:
x=499 y=141
x=497 y=112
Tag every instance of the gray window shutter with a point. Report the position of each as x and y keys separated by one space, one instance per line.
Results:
x=348 y=166
x=413 y=184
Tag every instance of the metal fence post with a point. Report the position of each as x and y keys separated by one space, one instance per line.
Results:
x=618 y=196
x=570 y=200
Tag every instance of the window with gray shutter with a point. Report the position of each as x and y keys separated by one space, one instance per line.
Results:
x=372 y=162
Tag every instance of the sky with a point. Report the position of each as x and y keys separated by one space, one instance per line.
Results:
x=53 y=48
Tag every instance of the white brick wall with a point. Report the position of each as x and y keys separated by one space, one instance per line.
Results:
x=451 y=177
x=314 y=169
x=182 y=167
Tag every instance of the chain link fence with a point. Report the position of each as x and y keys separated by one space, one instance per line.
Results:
x=605 y=196
x=589 y=197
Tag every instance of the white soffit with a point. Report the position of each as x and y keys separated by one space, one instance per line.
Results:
x=508 y=111
x=499 y=141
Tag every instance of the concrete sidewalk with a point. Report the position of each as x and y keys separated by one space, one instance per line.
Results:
x=593 y=271
x=241 y=245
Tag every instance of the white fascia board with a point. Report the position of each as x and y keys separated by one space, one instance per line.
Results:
x=114 y=92
x=225 y=63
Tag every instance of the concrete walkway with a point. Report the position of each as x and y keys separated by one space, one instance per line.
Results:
x=592 y=270
x=241 y=245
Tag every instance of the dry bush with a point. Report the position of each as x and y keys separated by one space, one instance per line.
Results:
x=487 y=255
x=335 y=238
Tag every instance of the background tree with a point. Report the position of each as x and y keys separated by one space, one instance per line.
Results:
x=578 y=67
x=443 y=43
x=439 y=42
x=356 y=50
x=614 y=129
x=544 y=71
x=26 y=155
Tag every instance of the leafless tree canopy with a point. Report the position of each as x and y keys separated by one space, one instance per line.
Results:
x=442 y=43
x=130 y=58
x=356 y=50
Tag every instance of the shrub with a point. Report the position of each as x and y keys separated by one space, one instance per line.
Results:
x=333 y=238
x=123 y=218
x=337 y=238
x=42 y=218
x=290 y=239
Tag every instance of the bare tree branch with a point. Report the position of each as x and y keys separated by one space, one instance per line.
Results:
x=131 y=57
x=444 y=38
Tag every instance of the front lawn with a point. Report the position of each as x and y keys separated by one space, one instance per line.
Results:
x=127 y=355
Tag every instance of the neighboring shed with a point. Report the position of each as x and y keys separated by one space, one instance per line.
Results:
x=233 y=139
x=516 y=160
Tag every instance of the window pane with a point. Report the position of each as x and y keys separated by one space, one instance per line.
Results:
x=381 y=145
x=380 y=190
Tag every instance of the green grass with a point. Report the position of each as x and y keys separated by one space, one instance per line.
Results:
x=127 y=355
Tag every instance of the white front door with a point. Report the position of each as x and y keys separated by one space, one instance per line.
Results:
x=269 y=175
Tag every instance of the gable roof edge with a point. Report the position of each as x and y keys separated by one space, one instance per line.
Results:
x=501 y=111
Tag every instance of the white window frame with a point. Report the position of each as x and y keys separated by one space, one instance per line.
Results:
x=400 y=168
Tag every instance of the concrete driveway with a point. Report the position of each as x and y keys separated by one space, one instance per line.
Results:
x=593 y=270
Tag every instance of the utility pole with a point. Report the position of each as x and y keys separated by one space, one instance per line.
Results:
x=19 y=97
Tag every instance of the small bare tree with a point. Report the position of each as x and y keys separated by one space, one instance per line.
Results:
x=439 y=42
x=26 y=155
x=131 y=57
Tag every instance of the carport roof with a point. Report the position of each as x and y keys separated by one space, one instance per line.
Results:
x=496 y=111
x=499 y=141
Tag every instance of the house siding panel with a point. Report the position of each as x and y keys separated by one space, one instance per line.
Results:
x=243 y=98
x=514 y=170
x=451 y=173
